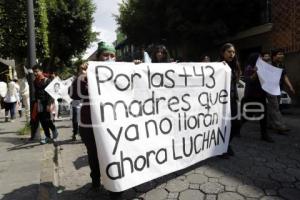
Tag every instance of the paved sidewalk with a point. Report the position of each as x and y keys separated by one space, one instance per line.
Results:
x=25 y=168
x=259 y=170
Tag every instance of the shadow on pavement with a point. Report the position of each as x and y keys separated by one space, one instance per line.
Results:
x=8 y=132
x=25 y=193
x=80 y=162
x=23 y=146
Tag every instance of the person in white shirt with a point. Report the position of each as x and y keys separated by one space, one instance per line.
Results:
x=11 y=100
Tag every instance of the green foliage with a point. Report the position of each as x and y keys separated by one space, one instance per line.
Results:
x=188 y=22
x=25 y=130
x=13 y=29
x=70 y=27
x=63 y=29
x=42 y=23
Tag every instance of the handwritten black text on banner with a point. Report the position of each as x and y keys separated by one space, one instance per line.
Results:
x=153 y=119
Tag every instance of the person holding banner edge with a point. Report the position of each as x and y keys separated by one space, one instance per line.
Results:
x=276 y=121
x=105 y=52
x=255 y=97
x=228 y=55
x=160 y=54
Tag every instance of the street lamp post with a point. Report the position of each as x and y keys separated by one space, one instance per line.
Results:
x=31 y=56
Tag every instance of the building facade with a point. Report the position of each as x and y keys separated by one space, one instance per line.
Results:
x=279 y=28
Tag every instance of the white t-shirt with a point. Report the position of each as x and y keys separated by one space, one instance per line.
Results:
x=12 y=92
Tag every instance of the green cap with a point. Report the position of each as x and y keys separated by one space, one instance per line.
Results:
x=105 y=47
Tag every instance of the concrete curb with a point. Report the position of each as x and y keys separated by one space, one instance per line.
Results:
x=48 y=178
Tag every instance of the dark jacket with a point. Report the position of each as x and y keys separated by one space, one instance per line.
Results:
x=253 y=87
x=41 y=95
x=82 y=94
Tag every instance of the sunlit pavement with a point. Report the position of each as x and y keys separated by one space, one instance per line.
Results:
x=259 y=170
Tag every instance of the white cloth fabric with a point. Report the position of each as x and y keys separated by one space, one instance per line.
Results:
x=12 y=93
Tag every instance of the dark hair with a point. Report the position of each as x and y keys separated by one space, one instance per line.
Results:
x=234 y=64
x=164 y=51
x=37 y=66
x=252 y=58
x=203 y=57
x=264 y=53
x=274 y=52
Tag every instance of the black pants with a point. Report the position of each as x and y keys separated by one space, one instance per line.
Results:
x=46 y=122
x=235 y=122
x=10 y=107
x=75 y=114
x=87 y=136
x=250 y=115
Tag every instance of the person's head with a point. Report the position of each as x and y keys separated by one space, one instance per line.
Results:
x=252 y=59
x=56 y=87
x=37 y=70
x=228 y=54
x=106 y=52
x=82 y=68
x=205 y=58
x=159 y=54
x=52 y=74
x=277 y=56
x=266 y=56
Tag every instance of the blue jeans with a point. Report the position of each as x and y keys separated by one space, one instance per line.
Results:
x=10 y=107
x=75 y=115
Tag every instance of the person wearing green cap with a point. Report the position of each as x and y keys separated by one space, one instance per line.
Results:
x=106 y=52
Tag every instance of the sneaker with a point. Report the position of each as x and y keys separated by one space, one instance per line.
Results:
x=55 y=134
x=45 y=141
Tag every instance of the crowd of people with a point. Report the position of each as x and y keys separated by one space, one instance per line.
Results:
x=78 y=92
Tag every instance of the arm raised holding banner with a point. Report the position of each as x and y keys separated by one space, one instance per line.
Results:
x=105 y=52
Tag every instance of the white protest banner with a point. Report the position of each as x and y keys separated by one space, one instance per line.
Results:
x=269 y=77
x=152 y=119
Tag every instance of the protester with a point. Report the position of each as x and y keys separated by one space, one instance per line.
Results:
x=277 y=61
x=19 y=102
x=255 y=97
x=266 y=56
x=205 y=58
x=228 y=55
x=43 y=106
x=159 y=54
x=3 y=91
x=24 y=92
x=105 y=52
x=76 y=103
x=276 y=121
x=10 y=100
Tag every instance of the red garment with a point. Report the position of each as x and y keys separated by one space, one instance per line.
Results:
x=34 y=111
